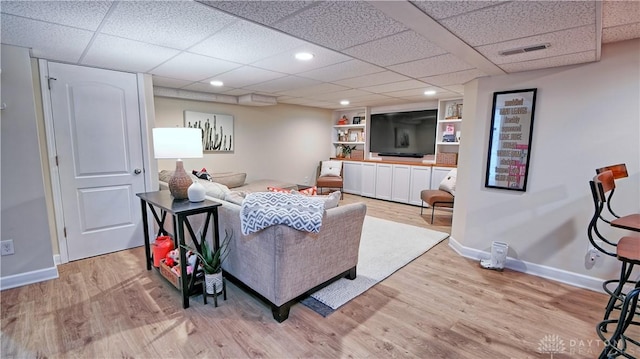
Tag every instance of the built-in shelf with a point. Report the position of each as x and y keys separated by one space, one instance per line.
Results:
x=347 y=143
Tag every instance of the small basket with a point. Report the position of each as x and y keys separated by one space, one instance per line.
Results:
x=357 y=154
x=170 y=275
x=447 y=158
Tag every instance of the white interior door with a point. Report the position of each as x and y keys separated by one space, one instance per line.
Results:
x=96 y=124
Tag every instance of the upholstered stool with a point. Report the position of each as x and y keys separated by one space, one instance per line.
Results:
x=436 y=198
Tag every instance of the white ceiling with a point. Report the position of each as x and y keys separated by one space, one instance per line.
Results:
x=371 y=53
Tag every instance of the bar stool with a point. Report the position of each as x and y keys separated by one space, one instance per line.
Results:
x=618 y=171
x=627 y=248
x=618 y=343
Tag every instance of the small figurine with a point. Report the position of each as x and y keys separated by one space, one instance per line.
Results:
x=343 y=120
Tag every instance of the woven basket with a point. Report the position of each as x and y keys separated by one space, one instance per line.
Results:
x=447 y=158
x=357 y=154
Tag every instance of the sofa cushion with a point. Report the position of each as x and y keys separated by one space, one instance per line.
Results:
x=330 y=201
x=235 y=197
x=212 y=189
x=229 y=179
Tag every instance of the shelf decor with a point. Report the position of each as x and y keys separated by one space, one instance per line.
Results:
x=510 y=140
x=217 y=130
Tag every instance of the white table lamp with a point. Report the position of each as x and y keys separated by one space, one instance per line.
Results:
x=179 y=143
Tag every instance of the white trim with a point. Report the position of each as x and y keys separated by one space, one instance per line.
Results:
x=56 y=259
x=558 y=275
x=19 y=280
x=53 y=168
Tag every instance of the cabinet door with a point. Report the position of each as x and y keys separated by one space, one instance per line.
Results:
x=437 y=175
x=400 y=183
x=420 y=179
x=368 y=180
x=384 y=178
x=352 y=177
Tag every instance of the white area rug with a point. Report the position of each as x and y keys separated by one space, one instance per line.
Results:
x=385 y=247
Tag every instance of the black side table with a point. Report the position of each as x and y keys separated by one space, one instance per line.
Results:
x=180 y=210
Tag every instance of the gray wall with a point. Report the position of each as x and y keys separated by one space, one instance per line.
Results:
x=24 y=208
x=586 y=116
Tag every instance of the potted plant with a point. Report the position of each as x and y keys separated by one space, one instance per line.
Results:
x=346 y=151
x=211 y=263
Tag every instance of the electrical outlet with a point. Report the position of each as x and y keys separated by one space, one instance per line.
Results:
x=593 y=254
x=6 y=247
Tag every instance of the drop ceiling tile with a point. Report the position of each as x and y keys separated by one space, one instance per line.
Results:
x=524 y=18
x=283 y=84
x=562 y=42
x=44 y=38
x=81 y=14
x=175 y=24
x=571 y=59
x=444 y=9
x=395 y=49
x=287 y=63
x=419 y=92
x=115 y=53
x=341 y=95
x=264 y=12
x=206 y=87
x=245 y=76
x=169 y=82
x=246 y=42
x=377 y=78
x=314 y=90
x=616 y=13
x=620 y=33
x=340 y=24
x=459 y=77
x=193 y=67
x=397 y=86
x=370 y=97
x=432 y=66
x=343 y=70
x=237 y=92
x=455 y=89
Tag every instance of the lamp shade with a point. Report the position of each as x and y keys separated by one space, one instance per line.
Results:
x=177 y=142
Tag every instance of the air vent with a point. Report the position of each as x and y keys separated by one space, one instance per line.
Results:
x=522 y=50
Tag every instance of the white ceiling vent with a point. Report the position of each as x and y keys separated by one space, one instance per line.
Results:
x=257 y=100
x=522 y=50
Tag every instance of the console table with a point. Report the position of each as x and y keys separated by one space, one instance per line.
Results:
x=180 y=210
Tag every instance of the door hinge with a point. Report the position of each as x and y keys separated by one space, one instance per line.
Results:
x=65 y=232
x=49 y=81
x=57 y=163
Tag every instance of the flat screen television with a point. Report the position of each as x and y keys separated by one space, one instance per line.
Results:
x=404 y=134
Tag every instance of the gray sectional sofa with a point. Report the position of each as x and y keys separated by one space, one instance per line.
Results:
x=281 y=264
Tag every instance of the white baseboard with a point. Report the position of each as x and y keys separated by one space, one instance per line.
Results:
x=559 y=275
x=21 y=279
x=56 y=259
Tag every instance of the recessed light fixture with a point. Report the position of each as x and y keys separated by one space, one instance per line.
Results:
x=304 y=56
x=216 y=83
x=430 y=92
x=344 y=102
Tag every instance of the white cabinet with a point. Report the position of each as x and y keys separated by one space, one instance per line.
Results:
x=384 y=176
x=368 y=188
x=401 y=180
x=420 y=179
x=437 y=175
x=352 y=177
x=449 y=128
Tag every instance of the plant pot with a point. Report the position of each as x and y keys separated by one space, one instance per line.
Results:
x=210 y=280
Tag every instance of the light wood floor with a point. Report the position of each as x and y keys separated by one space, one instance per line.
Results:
x=439 y=306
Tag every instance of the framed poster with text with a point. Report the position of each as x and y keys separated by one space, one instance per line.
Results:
x=510 y=139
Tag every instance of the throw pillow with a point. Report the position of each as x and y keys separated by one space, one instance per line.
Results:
x=331 y=168
x=311 y=191
x=448 y=184
x=277 y=189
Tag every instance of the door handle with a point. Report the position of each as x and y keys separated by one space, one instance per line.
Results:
x=137 y=171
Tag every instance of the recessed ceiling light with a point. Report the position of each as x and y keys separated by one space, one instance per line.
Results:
x=344 y=102
x=216 y=83
x=304 y=56
x=430 y=92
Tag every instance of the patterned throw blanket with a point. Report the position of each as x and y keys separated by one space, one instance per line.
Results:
x=263 y=209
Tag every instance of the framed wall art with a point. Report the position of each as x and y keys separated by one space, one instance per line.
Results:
x=510 y=139
x=217 y=130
